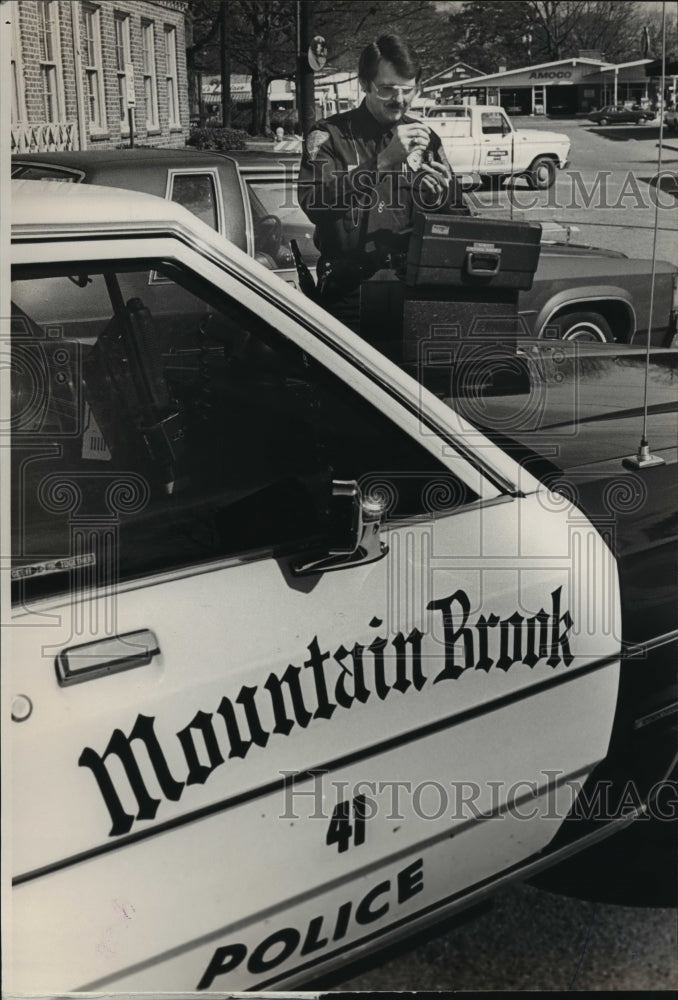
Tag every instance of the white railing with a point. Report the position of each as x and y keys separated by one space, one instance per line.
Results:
x=43 y=137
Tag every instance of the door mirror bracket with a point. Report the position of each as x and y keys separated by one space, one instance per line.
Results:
x=355 y=530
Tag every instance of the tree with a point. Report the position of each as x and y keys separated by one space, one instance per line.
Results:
x=262 y=42
x=524 y=32
x=562 y=28
x=202 y=31
x=490 y=34
x=350 y=25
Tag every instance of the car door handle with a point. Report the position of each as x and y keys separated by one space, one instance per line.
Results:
x=106 y=656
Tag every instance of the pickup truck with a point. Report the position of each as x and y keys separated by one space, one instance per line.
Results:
x=481 y=140
x=300 y=660
x=579 y=293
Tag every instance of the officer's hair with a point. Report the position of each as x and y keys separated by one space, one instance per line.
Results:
x=393 y=49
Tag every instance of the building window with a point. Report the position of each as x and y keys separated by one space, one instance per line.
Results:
x=18 y=99
x=93 y=70
x=51 y=82
x=122 y=58
x=172 y=81
x=150 y=80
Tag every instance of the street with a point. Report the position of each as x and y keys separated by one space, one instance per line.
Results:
x=609 y=189
x=534 y=940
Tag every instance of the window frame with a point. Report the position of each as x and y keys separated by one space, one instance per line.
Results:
x=51 y=66
x=93 y=67
x=149 y=73
x=212 y=172
x=122 y=20
x=172 y=77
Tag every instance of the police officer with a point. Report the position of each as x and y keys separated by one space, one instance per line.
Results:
x=365 y=171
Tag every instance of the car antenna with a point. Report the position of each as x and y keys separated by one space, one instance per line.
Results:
x=644 y=459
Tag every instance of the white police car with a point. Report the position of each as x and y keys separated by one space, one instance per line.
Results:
x=299 y=660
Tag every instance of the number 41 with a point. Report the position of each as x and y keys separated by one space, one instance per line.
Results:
x=341 y=831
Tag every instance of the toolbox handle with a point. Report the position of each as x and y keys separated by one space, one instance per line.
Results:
x=483 y=263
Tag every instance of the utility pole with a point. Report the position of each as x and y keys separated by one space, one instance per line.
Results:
x=225 y=66
x=305 y=83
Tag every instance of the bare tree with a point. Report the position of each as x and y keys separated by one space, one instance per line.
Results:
x=561 y=28
x=349 y=25
x=261 y=42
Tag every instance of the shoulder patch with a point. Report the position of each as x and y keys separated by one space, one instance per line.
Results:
x=315 y=140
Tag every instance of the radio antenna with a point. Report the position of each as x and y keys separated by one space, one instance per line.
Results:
x=644 y=458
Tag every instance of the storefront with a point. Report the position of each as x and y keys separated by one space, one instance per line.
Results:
x=567 y=86
x=625 y=83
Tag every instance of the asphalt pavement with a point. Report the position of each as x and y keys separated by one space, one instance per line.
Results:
x=613 y=190
x=535 y=940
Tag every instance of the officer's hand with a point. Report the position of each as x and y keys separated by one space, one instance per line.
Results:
x=406 y=138
x=433 y=182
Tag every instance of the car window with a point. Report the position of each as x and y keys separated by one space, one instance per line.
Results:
x=447 y=113
x=493 y=123
x=43 y=172
x=197 y=193
x=277 y=218
x=151 y=440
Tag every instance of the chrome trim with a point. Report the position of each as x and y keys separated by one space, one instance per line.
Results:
x=247 y=208
x=593 y=298
x=639 y=648
x=656 y=716
x=108 y=655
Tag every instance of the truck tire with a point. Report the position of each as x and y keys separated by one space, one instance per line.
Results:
x=583 y=327
x=541 y=174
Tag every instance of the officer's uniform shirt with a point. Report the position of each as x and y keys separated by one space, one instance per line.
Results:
x=355 y=208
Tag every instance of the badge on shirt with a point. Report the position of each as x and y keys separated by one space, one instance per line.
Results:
x=314 y=141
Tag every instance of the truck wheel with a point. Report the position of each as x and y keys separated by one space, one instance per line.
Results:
x=584 y=327
x=541 y=174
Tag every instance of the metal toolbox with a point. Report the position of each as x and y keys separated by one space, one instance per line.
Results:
x=458 y=251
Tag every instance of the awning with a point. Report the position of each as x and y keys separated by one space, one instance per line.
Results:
x=654 y=68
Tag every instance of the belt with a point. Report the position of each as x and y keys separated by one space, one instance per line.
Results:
x=349 y=271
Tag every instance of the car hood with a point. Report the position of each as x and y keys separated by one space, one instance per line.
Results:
x=537 y=135
x=581 y=417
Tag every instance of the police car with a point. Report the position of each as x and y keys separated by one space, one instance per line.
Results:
x=301 y=659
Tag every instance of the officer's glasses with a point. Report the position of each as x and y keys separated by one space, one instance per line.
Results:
x=387 y=92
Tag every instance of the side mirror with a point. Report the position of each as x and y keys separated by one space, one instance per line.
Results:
x=355 y=524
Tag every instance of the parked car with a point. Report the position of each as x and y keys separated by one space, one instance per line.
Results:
x=619 y=114
x=671 y=117
x=301 y=658
x=579 y=292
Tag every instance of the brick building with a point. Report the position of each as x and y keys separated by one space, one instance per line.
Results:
x=75 y=63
